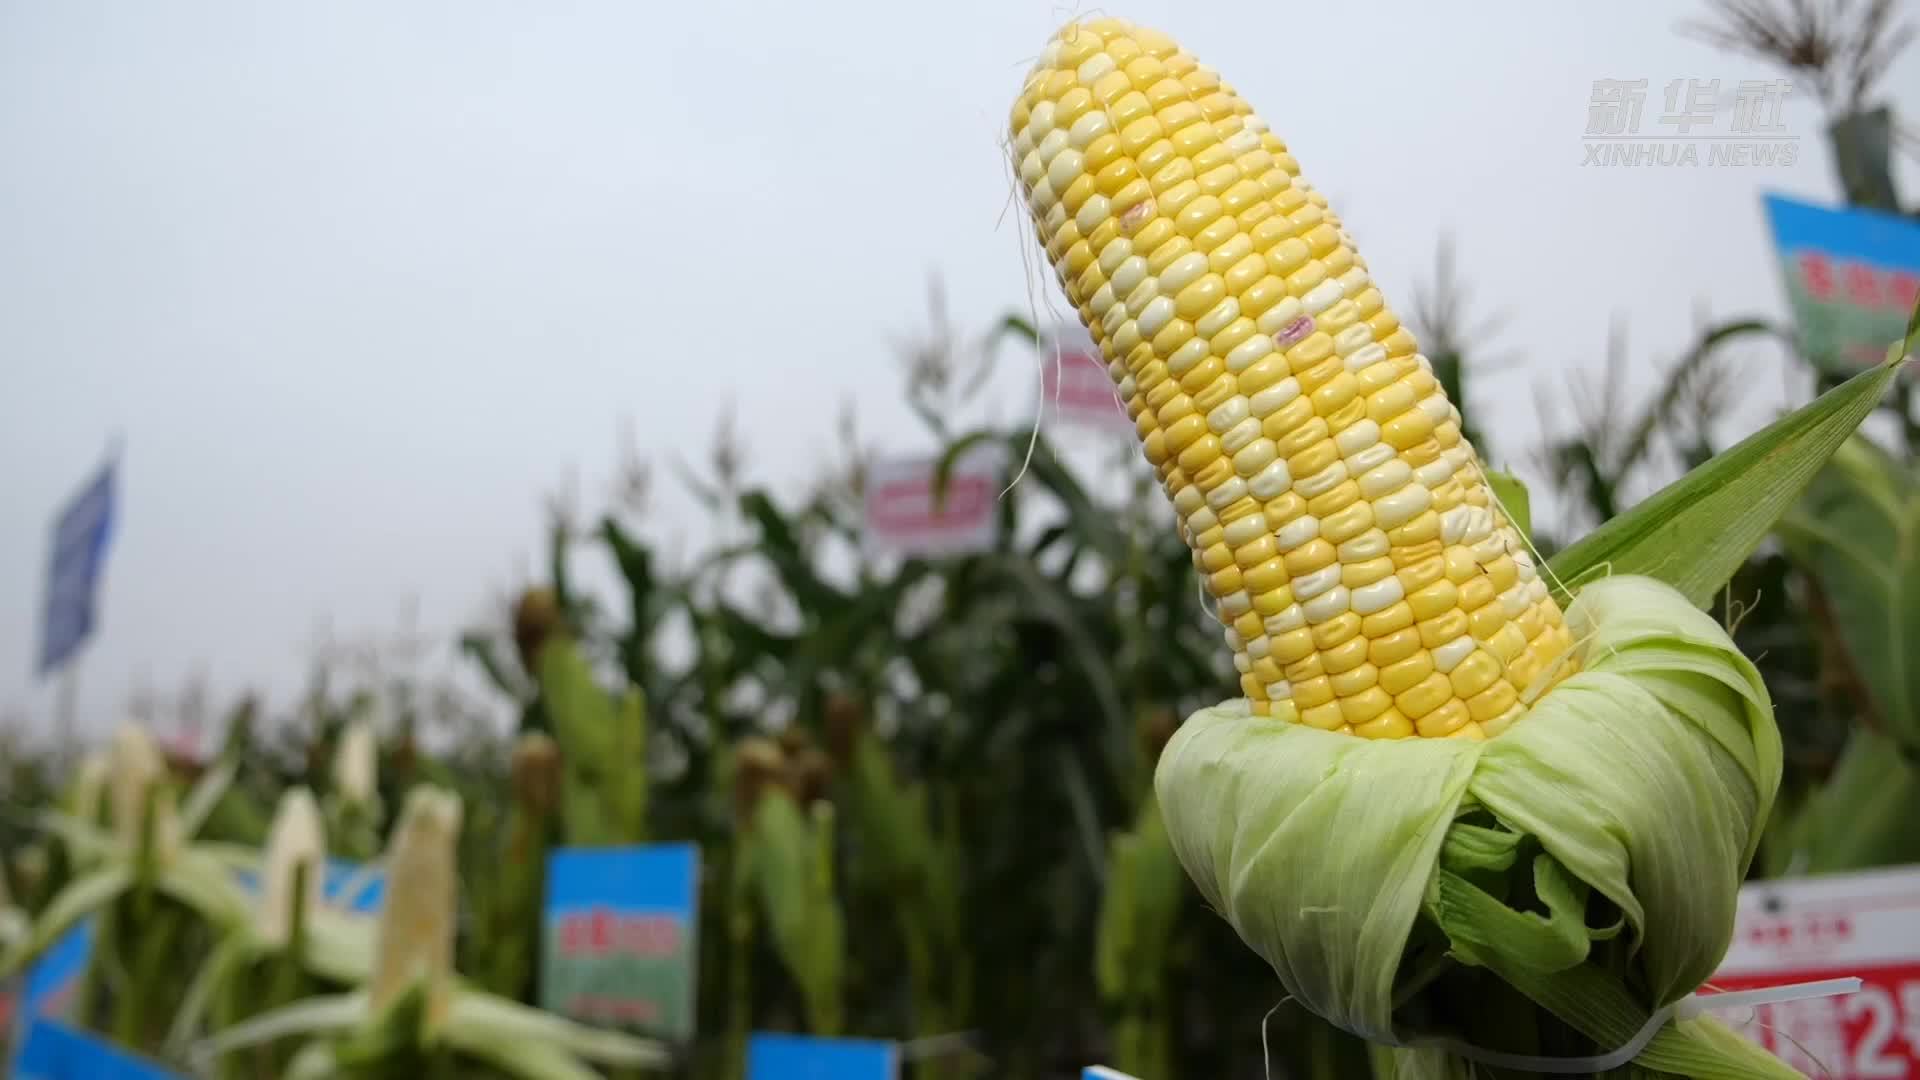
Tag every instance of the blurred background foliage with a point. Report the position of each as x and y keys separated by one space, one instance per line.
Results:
x=922 y=787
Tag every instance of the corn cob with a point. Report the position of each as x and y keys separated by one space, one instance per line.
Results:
x=1366 y=579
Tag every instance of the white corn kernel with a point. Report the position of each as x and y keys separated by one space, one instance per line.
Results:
x=1240 y=435
x=1385 y=480
x=1371 y=544
x=1271 y=482
x=1291 y=619
x=1271 y=400
x=1402 y=506
x=1378 y=596
x=1448 y=656
x=1356 y=437
x=1227 y=494
x=1297 y=532
x=1331 y=604
x=1308 y=586
x=1321 y=482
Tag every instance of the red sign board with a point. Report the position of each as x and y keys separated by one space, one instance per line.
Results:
x=1862 y=925
x=903 y=515
x=1077 y=384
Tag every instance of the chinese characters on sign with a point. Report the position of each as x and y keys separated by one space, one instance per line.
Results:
x=1852 y=277
x=620 y=929
x=1696 y=122
x=1864 y=925
x=903 y=516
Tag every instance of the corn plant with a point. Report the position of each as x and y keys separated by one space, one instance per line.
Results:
x=414 y=1015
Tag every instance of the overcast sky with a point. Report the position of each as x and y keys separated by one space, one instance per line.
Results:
x=359 y=283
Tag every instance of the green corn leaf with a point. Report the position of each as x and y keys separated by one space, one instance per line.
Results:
x=206 y=795
x=216 y=971
x=476 y=1019
x=82 y=897
x=1695 y=532
x=1513 y=498
x=519 y=1057
x=481 y=649
x=1863 y=816
x=332 y=1012
x=1858 y=533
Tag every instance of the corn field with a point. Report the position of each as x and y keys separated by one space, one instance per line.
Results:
x=922 y=789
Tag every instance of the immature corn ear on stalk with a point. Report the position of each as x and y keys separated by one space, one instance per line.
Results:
x=417 y=920
x=138 y=784
x=1440 y=797
x=354 y=809
x=296 y=854
x=603 y=742
x=1367 y=579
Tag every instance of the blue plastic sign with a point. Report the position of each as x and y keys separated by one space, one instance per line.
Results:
x=80 y=537
x=620 y=928
x=1852 y=277
x=803 y=1057
x=347 y=885
x=1101 y=1072
x=53 y=1051
x=51 y=981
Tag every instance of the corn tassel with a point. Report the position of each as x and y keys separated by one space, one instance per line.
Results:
x=1367 y=580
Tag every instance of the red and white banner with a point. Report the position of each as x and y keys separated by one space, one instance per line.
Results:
x=1076 y=383
x=901 y=515
x=1860 y=925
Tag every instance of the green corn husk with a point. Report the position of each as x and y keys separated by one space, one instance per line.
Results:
x=790 y=854
x=354 y=811
x=604 y=797
x=1388 y=882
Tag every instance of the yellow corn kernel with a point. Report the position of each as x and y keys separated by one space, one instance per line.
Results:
x=1433 y=600
x=1444 y=720
x=1315 y=691
x=1391 y=724
x=1346 y=684
x=1336 y=630
x=1346 y=656
x=1301 y=670
x=1291 y=646
x=1326 y=715
x=1426 y=695
x=1393 y=648
x=1474 y=674
x=1381 y=623
x=1397 y=678
x=1365 y=705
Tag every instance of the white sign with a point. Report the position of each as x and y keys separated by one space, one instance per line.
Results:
x=903 y=517
x=1864 y=925
x=1076 y=383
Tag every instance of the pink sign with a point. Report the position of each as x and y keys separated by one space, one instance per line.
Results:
x=1861 y=925
x=1076 y=382
x=902 y=515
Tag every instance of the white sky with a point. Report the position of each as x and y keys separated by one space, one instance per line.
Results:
x=361 y=282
